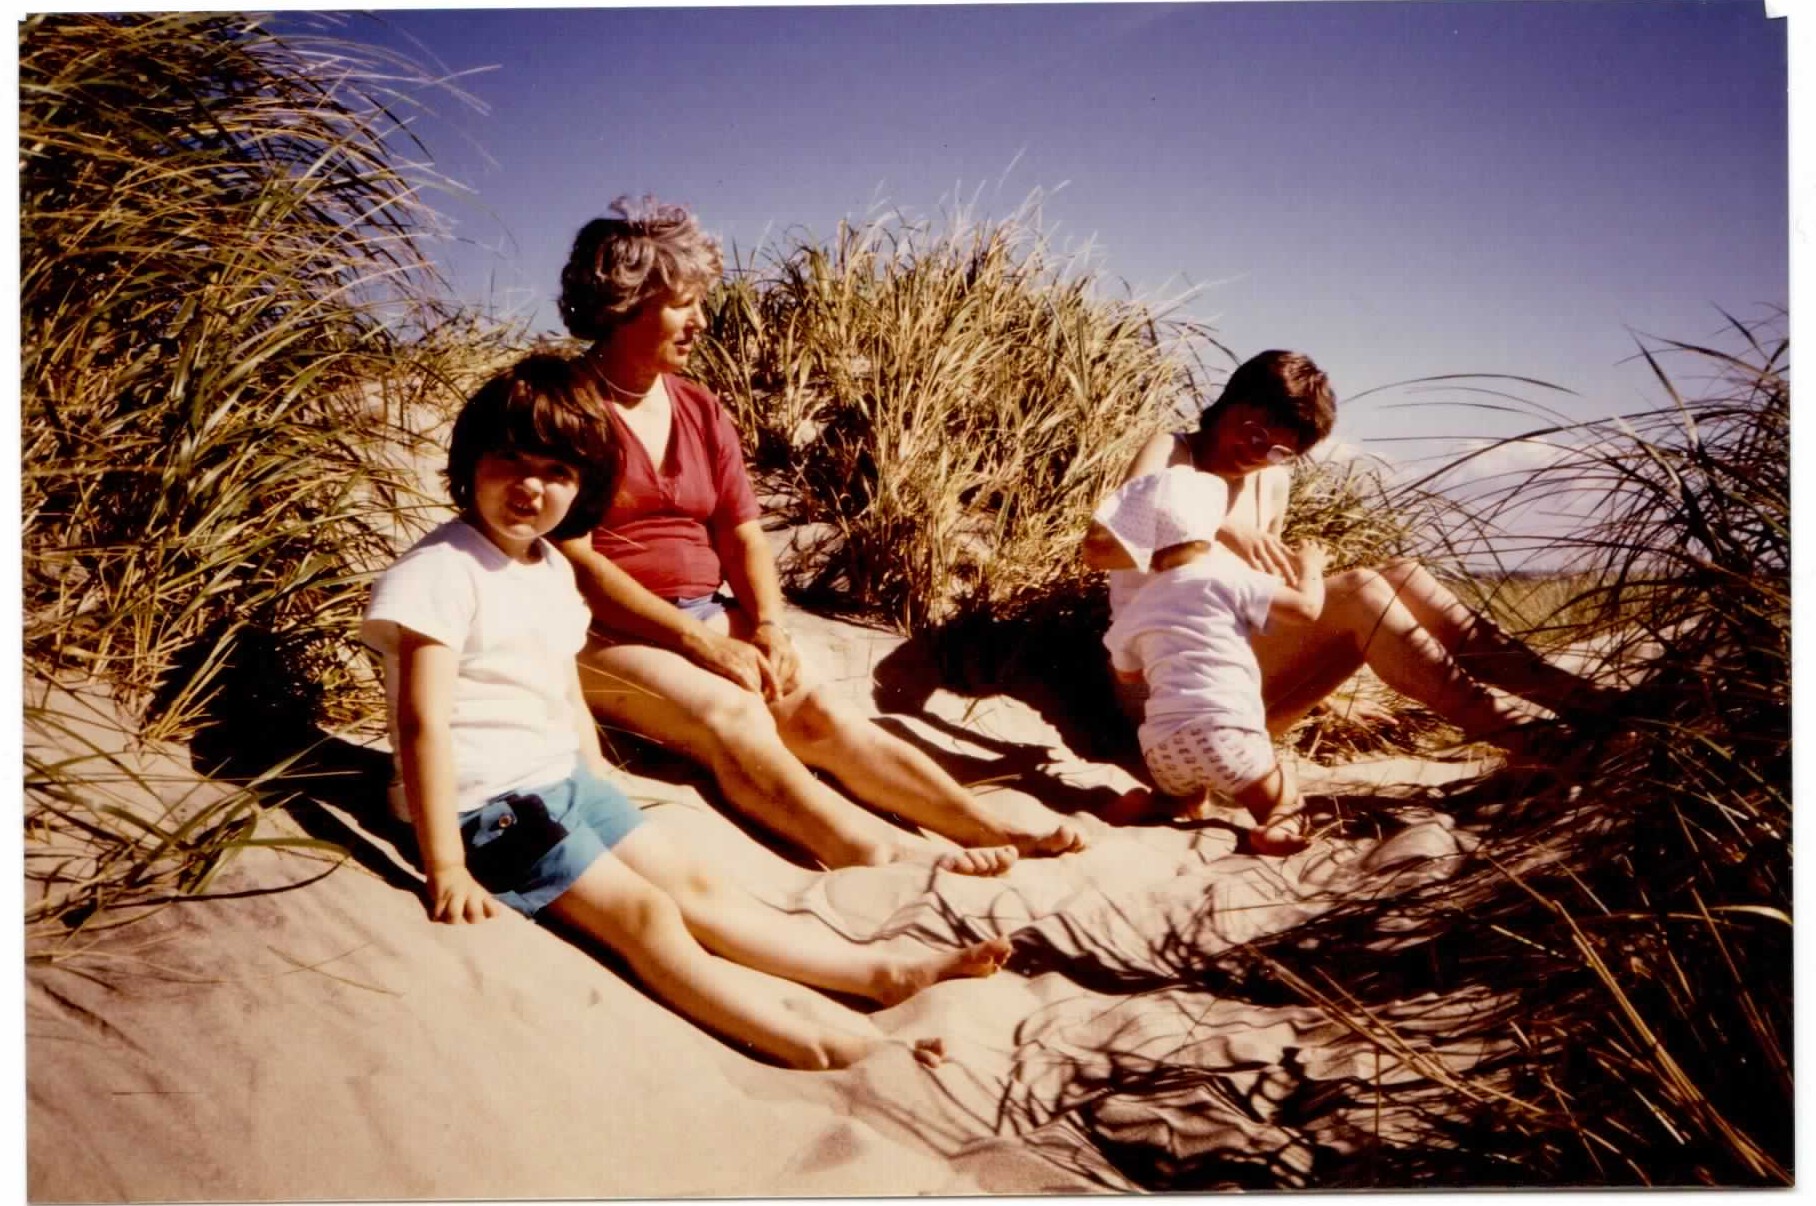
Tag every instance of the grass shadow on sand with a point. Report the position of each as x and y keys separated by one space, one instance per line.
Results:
x=325 y=781
x=1049 y=656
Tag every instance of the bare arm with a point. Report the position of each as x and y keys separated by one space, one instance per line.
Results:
x=1301 y=601
x=622 y=604
x=1103 y=551
x=426 y=756
x=1260 y=546
x=1276 y=487
x=750 y=571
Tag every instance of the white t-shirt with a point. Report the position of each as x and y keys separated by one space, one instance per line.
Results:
x=517 y=628
x=1187 y=632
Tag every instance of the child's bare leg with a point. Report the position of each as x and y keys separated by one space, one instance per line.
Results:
x=735 y=924
x=639 y=921
x=1274 y=801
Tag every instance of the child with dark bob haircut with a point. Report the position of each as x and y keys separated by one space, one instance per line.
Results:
x=534 y=409
x=503 y=778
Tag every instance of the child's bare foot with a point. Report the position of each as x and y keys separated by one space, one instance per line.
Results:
x=1281 y=834
x=1140 y=806
x=899 y=979
x=844 y=1050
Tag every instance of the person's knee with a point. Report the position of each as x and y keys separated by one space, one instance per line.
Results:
x=697 y=886
x=1400 y=571
x=645 y=913
x=1359 y=597
x=816 y=719
x=733 y=717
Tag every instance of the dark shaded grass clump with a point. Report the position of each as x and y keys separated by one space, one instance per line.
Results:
x=1623 y=931
x=231 y=341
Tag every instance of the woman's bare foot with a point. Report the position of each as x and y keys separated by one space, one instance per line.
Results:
x=899 y=979
x=975 y=860
x=1064 y=838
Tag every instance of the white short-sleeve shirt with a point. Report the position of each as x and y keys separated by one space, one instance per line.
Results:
x=516 y=627
x=1187 y=632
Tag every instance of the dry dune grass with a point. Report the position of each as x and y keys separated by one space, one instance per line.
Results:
x=230 y=335
x=1584 y=980
x=946 y=404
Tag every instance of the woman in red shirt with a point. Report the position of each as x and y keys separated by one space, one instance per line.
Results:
x=673 y=658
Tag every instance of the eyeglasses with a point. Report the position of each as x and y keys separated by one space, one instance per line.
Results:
x=1259 y=439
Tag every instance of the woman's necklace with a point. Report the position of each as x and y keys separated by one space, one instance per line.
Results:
x=616 y=391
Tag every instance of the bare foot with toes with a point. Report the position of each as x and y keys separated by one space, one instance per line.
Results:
x=977 y=860
x=844 y=1050
x=1063 y=839
x=900 y=979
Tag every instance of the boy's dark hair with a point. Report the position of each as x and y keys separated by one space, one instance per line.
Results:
x=1293 y=392
x=541 y=405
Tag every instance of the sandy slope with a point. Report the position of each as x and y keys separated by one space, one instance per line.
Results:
x=329 y=1042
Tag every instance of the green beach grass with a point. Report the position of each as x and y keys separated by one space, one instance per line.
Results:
x=234 y=345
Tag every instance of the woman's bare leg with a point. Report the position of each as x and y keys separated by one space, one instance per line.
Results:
x=1364 y=621
x=1481 y=646
x=732 y=923
x=667 y=698
x=617 y=906
x=886 y=772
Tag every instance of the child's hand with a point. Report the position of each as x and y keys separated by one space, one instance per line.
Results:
x=1259 y=549
x=1311 y=556
x=455 y=898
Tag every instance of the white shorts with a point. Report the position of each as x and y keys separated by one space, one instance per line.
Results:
x=1208 y=753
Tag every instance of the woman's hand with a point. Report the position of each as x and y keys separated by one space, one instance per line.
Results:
x=779 y=651
x=740 y=661
x=455 y=897
x=1261 y=550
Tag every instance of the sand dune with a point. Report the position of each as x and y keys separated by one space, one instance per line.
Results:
x=329 y=1042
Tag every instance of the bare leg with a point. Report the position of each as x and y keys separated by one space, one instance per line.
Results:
x=887 y=772
x=632 y=916
x=1275 y=803
x=1481 y=646
x=1363 y=620
x=666 y=697
x=732 y=923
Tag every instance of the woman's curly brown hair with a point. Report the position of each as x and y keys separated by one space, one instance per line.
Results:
x=620 y=262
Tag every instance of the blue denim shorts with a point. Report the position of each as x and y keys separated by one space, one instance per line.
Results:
x=528 y=847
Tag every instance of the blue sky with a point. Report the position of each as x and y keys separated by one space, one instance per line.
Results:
x=1399 y=189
